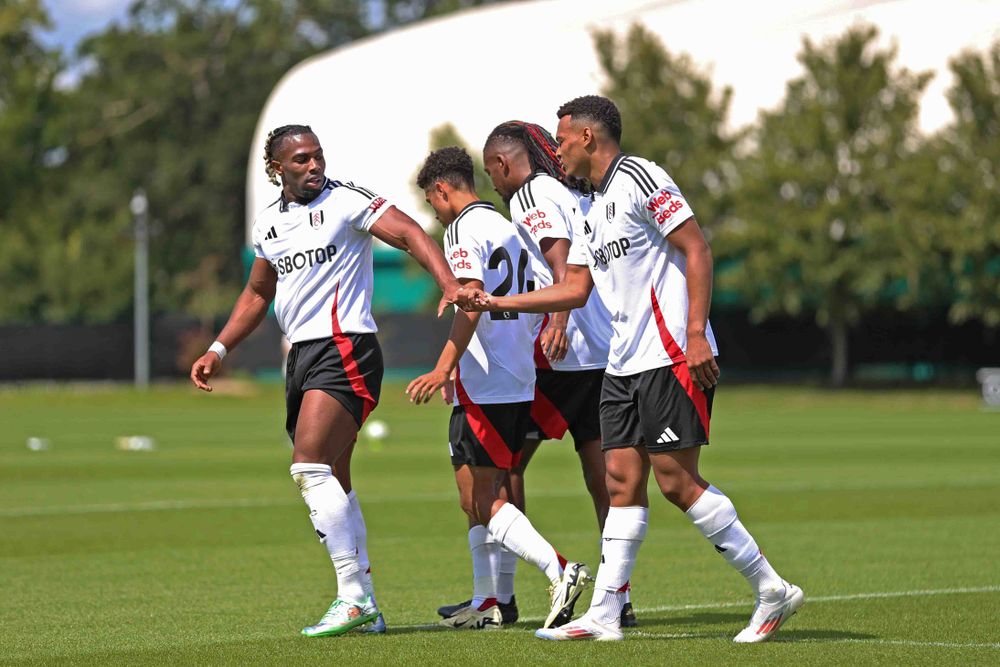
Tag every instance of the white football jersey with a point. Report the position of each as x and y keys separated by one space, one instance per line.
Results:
x=544 y=208
x=322 y=252
x=498 y=364
x=639 y=274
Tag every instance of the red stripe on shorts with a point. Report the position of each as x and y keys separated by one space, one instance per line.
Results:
x=545 y=413
x=697 y=396
x=346 y=348
x=540 y=360
x=485 y=432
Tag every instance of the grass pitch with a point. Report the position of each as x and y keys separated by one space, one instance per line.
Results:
x=884 y=507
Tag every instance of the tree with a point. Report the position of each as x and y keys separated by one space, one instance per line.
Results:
x=969 y=164
x=824 y=216
x=28 y=100
x=672 y=114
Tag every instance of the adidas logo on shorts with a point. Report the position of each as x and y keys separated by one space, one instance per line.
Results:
x=667 y=436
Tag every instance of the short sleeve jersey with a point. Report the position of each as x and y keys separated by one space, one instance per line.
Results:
x=639 y=274
x=497 y=366
x=543 y=208
x=322 y=253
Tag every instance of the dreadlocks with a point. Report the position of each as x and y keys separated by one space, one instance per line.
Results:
x=541 y=149
x=274 y=139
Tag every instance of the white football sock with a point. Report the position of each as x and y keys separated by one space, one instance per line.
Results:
x=714 y=515
x=624 y=531
x=505 y=576
x=485 y=559
x=330 y=513
x=361 y=538
x=513 y=530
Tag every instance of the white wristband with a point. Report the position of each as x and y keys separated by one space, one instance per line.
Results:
x=219 y=349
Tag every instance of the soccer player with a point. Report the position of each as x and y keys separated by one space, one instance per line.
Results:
x=313 y=249
x=643 y=249
x=494 y=384
x=571 y=352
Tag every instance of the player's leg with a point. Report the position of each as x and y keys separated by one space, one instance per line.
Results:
x=324 y=430
x=627 y=471
x=342 y=471
x=482 y=610
x=594 y=474
x=671 y=395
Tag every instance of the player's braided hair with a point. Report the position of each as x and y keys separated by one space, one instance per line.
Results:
x=452 y=165
x=541 y=149
x=598 y=109
x=274 y=139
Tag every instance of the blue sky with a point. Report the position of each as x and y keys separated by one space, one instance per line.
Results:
x=74 y=19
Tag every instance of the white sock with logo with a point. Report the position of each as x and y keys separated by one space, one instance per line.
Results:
x=485 y=560
x=361 y=538
x=715 y=516
x=513 y=530
x=330 y=513
x=624 y=531
x=505 y=576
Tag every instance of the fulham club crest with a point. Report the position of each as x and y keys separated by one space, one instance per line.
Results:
x=611 y=211
x=316 y=219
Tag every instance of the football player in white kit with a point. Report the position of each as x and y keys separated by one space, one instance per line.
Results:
x=641 y=246
x=494 y=385
x=571 y=350
x=313 y=250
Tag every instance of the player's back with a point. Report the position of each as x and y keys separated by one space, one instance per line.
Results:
x=498 y=365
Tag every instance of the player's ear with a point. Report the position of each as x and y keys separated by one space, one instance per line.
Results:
x=276 y=165
x=441 y=190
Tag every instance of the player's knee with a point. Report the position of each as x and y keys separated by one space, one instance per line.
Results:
x=678 y=488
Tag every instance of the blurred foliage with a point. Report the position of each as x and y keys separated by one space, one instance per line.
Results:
x=969 y=169
x=672 y=115
x=167 y=101
x=825 y=219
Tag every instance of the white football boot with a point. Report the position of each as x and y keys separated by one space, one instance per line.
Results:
x=769 y=616
x=581 y=628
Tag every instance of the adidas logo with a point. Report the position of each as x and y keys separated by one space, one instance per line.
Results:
x=271 y=235
x=667 y=436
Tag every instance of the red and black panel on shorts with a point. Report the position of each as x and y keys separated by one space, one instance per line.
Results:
x=659 y=408
x=566 y=401
x=490 y=435
x=348 y=367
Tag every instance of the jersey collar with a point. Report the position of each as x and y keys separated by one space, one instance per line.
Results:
x=479 y=203
x=610 y=173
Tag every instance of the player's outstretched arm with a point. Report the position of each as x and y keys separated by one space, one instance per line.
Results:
x=571 y=293
x=249 y=311
x=401 y=231
x=689 y=239
x=463 y=326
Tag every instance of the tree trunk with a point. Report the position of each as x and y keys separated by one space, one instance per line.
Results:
x=838 y=339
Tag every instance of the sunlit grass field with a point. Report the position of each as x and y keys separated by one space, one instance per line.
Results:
x=883 y=506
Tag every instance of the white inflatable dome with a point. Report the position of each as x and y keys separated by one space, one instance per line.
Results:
x=374 y=102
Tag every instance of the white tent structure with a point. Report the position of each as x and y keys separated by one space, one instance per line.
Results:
x=374 y=102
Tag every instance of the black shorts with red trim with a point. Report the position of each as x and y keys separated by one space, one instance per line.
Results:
x=566 y=401
x=348 y=367
x=488 y=435
x=659 y=408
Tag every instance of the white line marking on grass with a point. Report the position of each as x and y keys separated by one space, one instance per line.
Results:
x=819 y=640
x=819 y=598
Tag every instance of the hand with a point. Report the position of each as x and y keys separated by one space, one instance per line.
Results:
x=422 y=389
x=475 y=301
x=701 y=362
x=204 y=368
x=555 y=342
x=448 y=391
x=453 y=293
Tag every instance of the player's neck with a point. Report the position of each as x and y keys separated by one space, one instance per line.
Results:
x=459 y=199
x=601 y=161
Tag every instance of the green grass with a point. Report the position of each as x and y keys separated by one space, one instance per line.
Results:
x=201 y=552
